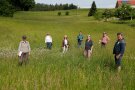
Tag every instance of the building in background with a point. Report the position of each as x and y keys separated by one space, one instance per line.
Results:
x=130 y=2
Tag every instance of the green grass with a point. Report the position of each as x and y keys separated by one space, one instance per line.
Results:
x=50 y=70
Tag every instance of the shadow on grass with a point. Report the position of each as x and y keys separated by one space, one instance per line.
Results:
x=132 y=25
x=128 y=23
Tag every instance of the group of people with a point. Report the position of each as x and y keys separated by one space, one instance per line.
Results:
x=118 y=51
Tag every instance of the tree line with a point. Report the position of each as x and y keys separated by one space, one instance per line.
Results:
x=8 y=7
x=51 y=7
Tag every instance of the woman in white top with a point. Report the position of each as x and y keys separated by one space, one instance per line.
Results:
x=48 y=41
x=65 y=44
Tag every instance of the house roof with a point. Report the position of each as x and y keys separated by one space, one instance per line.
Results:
x=131 y=2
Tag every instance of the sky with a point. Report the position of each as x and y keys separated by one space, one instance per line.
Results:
x=82 y=3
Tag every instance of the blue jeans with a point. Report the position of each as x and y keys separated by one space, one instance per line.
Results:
x=118 y=61
x=49 y=45
x=79 y=43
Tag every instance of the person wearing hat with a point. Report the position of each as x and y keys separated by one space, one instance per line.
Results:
x=23 y=50
x=48 y=41
x=104 y=40
x=88 y=47
x=118 y=50
x=65 y=44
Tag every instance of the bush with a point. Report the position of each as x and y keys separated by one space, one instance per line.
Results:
x=6 y=9
x=98 y=15
x=59 y=13
x=67 y=13
x=107 y=14
x=125 y=12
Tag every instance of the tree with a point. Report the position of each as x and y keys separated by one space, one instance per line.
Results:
x=98 y=15
x=65 y=7
x=72 y=6
x=23 y=5
x=93 y=9
x=125 y=12
x=59 y=13
x=51 y=7
x=107 y=14
x=6 y=9
x=67 y=13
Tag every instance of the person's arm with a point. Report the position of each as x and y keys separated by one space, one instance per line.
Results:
x=51 y=40
x=68 y=43
x=108 y=39
x=19 y=48
x=91 y=49
x=29 y=48
x=122 y=49
x=114 y=50
x=82 y=37
x=45 y=39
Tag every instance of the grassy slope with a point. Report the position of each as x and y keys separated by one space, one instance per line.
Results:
x=50 y=70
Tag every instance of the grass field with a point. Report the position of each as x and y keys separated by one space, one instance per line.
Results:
x=51 y=70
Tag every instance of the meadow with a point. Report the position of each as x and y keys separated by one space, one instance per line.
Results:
x=52 y=70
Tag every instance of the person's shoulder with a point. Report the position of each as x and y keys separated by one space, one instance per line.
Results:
x=122 y=41
x=27 y=41
x=21 y=41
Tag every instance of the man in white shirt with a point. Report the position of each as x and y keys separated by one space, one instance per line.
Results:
x=48 y=41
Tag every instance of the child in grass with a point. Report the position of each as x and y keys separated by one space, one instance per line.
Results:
x=23 y=50
x=65 y=44
x=88 y=47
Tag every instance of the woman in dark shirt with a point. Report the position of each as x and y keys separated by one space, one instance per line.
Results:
x=88 y=47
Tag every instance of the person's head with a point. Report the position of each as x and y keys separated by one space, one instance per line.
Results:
x=65 y=36
x=88 y=37
x=24 y=38
x=80 y=33
x=47 y=34
x=119 y=36
x=104 y=34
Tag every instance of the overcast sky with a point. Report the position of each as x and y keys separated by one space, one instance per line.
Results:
x=82 y=3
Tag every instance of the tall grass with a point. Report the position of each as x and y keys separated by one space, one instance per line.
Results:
x=52 y=70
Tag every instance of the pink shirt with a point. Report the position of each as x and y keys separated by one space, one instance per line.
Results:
x=105 y=40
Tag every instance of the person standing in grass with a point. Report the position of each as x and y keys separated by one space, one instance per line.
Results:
x=88 y=47
x=65 y=44
x=118 y=51
x=48 y=41
x=80 y=39
x=105 y=39
x=24 y=51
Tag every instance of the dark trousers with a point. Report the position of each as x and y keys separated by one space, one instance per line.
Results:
x=103 y=45
x=23 y=58
x=118 y=61
x=49 y=45
x=79 y=43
